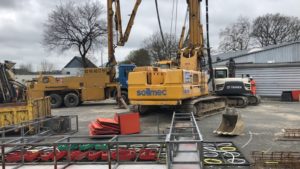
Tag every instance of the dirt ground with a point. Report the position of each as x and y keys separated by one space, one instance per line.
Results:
x=262 y=123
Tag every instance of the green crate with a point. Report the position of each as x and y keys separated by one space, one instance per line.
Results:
x=85 y=147
x=101 y=147
x=64 y=147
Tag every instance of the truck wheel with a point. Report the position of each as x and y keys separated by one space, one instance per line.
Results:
x=56 y=100
x=143 y=109
x=71 y=100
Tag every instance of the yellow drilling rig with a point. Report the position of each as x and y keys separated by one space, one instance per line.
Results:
x=182 y=88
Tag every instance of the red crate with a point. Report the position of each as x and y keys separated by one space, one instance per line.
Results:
x=295 y=95
x=124 y=155
x=31 y=156
x=148 y=155
x=93 y=156
x=13 y=157
x=47 y=156
x=129 y=123
x=78 y=155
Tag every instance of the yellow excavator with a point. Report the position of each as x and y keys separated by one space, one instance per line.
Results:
x=182 y=88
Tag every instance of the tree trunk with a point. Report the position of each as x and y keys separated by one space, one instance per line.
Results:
x=83 y=57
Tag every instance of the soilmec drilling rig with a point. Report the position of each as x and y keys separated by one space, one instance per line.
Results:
x=184 y=88
x=96 y=83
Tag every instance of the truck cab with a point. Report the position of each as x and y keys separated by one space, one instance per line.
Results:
x=122 y=74
x=122 y=77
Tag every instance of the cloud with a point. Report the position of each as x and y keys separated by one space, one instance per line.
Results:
x=10 y=4
x=21 y=28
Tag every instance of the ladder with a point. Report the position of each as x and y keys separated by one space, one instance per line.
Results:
x=185 y=142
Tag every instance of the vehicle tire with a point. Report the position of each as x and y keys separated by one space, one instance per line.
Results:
x=71 y=100
x=56 y=100
x=143 y=109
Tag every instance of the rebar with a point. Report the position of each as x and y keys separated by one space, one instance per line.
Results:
x=286 y=160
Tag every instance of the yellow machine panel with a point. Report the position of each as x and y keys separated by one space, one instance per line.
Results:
x=16 y=113
x=165 y=87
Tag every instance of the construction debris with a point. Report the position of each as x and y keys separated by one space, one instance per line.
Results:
x=231 y=124
x=123 y=123
x=104 y=126
x=289 y=135
x=288 y=160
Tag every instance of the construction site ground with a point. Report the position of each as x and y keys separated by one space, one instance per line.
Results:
x=262 y=123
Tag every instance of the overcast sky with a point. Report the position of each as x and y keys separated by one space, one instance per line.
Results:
x=21 y=27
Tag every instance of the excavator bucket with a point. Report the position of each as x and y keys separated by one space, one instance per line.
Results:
x=231 y=124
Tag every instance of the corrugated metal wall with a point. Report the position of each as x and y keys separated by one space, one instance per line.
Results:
x=271 y=81
x=277 y=54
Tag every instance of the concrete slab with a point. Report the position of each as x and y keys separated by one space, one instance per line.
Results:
x=261 y=124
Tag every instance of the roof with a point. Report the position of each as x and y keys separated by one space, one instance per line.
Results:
x=267 y=65
x=242 y=53
x=77 y=62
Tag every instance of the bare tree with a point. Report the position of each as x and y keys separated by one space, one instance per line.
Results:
x=75 y=26
x=138 y=57
x=158 y=50
x=236 y=36
x=272 y=29
x=47 y=66
x=92 y=58
x=26 y=68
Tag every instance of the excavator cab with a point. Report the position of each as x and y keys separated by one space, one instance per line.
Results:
x=226 y=85
x=239 y=91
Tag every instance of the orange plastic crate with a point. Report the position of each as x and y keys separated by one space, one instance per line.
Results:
x=129 y=123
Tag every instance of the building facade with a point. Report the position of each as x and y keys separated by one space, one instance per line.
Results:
x=275 y=68
x=75 y=67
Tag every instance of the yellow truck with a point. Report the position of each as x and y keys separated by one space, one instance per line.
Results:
x=93 y=85
x=96 y=83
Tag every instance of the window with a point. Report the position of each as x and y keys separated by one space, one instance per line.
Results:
x=220 y=74
x=165 y=66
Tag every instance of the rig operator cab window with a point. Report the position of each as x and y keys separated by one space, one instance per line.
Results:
x=166 y=64
x=221 y=73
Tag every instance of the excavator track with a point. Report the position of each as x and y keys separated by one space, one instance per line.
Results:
x=204 y=106
x=237 y=101
x=201 y=106
x=254 y=100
